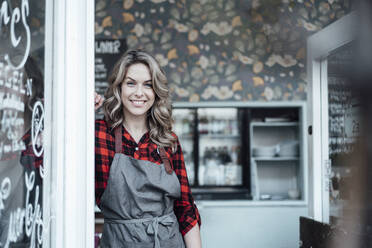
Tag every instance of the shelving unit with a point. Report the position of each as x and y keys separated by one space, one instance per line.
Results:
x=276 y=158
x=207 y=128
x=210 y=142
x=272 y=177
x=274 y=124
x=219 y=136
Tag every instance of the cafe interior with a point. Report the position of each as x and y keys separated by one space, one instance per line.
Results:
x=271 y=102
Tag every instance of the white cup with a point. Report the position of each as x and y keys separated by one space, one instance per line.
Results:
x=293 y=194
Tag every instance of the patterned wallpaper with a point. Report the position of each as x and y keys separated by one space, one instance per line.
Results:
x=236 y=50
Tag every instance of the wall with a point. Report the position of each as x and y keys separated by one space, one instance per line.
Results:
x=223 y=50
x=215 y=50
x=251 y=226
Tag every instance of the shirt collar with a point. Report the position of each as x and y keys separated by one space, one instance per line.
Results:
x=144 y=139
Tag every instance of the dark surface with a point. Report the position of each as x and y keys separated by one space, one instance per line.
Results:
x=314 y=234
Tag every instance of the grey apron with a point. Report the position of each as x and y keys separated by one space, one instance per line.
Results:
x=137 y=204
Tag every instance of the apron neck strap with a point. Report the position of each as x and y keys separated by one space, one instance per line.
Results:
x=118 y=139
x=165 y=159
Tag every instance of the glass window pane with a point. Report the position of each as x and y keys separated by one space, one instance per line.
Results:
x=22 y=49
x=219 y=147
x=344 y=127
x=184 y=129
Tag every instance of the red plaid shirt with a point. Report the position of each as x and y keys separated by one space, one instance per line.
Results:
x=184 y=207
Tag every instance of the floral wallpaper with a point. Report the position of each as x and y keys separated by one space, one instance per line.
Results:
x=236 y=50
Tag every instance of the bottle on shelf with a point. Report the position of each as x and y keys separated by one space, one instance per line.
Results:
x=207 y=155
x=233 y=170
x=228 y=129
x=220 y=155
x=221 y=126
x=234 y=127
x=214 y=126
x=212 y=170
x=203 y=125
x=227 y=156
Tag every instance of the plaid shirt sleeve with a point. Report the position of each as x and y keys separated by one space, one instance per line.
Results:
x=104 y=154
x=184 y=208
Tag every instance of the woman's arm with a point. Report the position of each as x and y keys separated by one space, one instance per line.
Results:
x=185 y=209
x=192 y=237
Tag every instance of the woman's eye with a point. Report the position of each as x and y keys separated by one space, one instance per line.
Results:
x=148 y=85
x=130 y=83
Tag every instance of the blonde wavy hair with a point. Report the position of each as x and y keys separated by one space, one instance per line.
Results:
x=160 y=114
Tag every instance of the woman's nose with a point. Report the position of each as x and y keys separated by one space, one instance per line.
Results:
x=139 y=91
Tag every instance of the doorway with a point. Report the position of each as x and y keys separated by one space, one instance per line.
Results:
x=332 y=114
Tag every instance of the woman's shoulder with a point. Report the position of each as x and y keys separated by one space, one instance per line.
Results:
x=176 y=138
x=100 y=122
x=174 y=135
x=101 y=125
x=177 y=143
x=103 y=131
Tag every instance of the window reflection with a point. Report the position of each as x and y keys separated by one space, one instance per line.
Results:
x=22 y=124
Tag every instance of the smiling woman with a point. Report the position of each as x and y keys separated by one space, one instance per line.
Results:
x=141 y=181
x=135 y=63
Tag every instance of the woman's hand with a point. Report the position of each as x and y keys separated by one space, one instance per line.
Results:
x=98 y=101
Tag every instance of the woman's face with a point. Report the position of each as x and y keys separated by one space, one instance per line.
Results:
x=137 y=94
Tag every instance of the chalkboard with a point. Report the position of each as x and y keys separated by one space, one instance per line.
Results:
x=107 y=53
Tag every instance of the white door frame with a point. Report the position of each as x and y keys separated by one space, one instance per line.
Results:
x=72 y=143
x=319 y=46
x=48 y=205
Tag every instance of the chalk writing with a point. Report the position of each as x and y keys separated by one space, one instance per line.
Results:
x=17 y=14
x=16 y=145
x=22 y=219
x=11 y=101
x=352 y=121
x=11 y=78
x=4 y=192
x=108 y=46
x=12 y=108
x=42 y=171
x=107 y=51
x=37 y=127
x=29 y=217
x=9 y=123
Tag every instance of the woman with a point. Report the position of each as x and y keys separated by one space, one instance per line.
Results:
x=141 y=181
